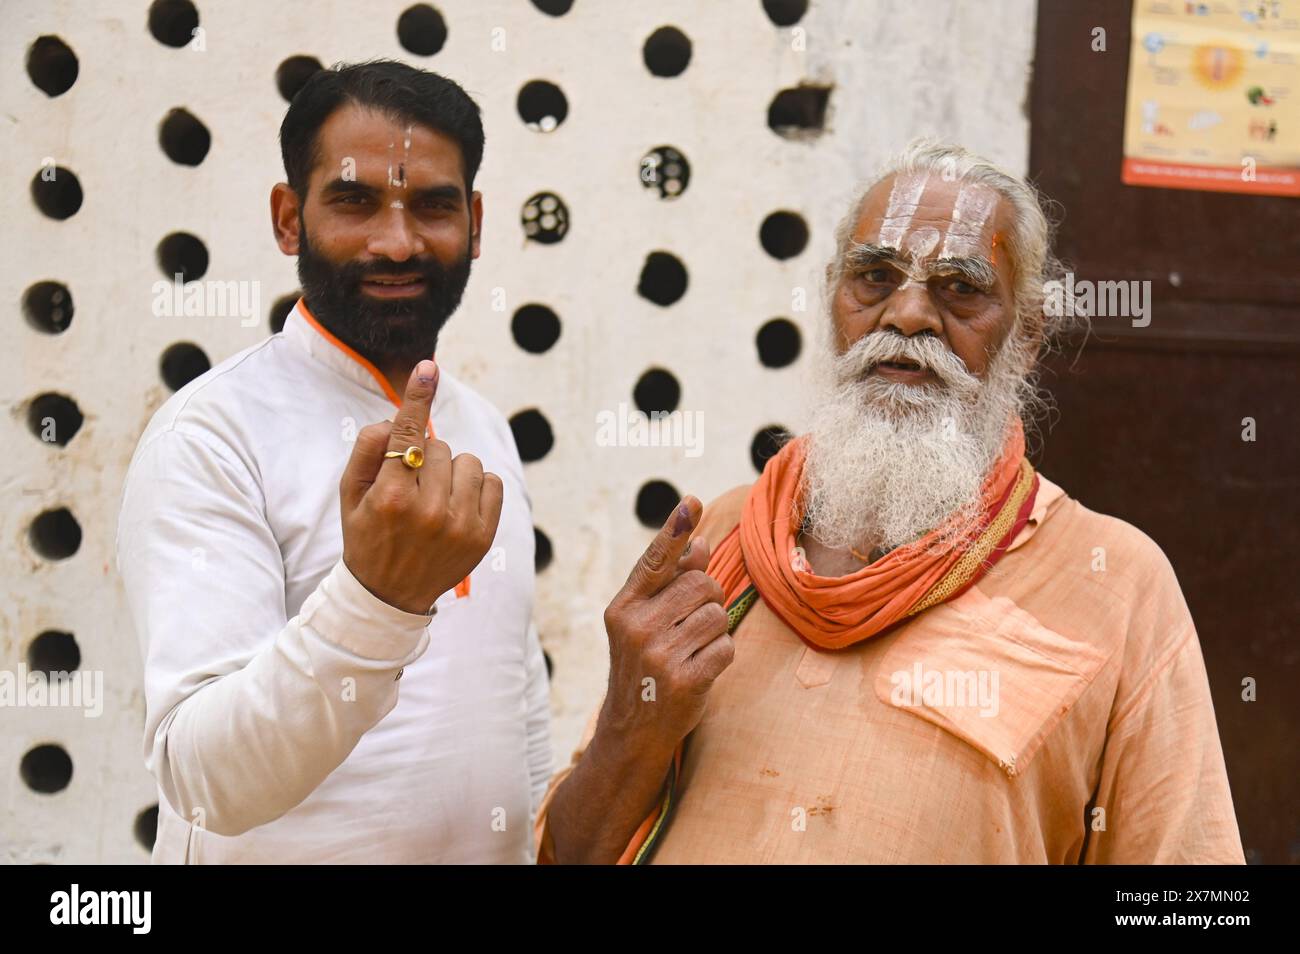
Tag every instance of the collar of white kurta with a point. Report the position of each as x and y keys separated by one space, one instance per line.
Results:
x=303 y=330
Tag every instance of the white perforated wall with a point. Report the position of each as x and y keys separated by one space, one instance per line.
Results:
x=72 y=787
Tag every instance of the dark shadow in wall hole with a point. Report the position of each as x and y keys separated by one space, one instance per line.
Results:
x=421 y=30
x=663 y=279
x=46 y=769
x=655 y=501
x=51 y=65
x=184 y=138
x=799 y=113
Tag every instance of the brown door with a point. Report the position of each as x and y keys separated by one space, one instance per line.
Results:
x=1150 y=420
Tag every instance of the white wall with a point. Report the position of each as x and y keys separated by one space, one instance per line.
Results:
x=899 y=68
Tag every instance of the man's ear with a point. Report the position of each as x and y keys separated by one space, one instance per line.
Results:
x=284 y=217
x=475 y=221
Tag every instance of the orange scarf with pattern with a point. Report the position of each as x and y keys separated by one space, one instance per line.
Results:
x=761 y=557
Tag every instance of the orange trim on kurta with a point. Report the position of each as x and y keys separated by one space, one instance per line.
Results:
x=374 y=372
x=462 y=588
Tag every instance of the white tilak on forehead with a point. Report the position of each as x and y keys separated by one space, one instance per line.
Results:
x=904 y=198
x=919 y=244
x=400 y=180
x=969 y=216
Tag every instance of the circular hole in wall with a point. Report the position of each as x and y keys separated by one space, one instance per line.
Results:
x=666 y=169
x=655 y=501
x=55 y=534
x=545 y=218
x=293 y=73
x=184 y=138
x=766 y=443
x=663 y=279
x=181 y=253
x=56 y=192
x=54 y=651
x=46 y=769
x=783 y=234
x=173 y=22
x=667 y=51
x=53 y=418
x=779 y=343
x=657 y=391
x=48 y=307
x=536 y=328
x=541 y=105
x=421 y=30
x=181 y=363
x=51 y=65
x=533 y=436
x=785 y=12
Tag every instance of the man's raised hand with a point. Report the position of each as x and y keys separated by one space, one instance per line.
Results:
x=666 y=625
x=411 y=534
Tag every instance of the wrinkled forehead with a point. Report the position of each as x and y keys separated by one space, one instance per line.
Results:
x=929 y=216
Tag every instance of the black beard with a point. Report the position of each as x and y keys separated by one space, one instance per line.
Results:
x=380 y=331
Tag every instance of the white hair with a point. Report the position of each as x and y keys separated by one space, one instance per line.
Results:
x=888 y=463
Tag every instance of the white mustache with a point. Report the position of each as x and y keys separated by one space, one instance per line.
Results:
x=926 y=351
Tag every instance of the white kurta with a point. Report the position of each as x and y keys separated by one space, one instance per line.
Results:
x=276 y=723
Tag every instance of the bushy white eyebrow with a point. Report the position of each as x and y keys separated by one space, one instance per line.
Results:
x=976 y=269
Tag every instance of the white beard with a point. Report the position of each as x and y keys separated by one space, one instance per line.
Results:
x=888 y=463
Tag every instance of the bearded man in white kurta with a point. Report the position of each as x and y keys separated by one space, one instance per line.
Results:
x=333 y=671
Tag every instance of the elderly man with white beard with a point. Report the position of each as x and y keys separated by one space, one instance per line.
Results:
x=913 y=648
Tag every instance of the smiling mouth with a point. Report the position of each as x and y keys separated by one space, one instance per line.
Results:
x=394 y=286
x=901 y=364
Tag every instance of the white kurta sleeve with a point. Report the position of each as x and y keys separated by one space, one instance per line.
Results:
x=538 y=701
x=247 y=712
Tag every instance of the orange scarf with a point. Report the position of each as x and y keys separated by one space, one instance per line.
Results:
x=835 y=612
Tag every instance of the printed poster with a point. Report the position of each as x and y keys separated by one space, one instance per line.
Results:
x=1214 y=96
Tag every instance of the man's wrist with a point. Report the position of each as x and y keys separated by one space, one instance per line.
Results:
x=346 y=613
x=623 y=752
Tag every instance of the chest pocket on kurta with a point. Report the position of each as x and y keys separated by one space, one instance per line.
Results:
x=989 y=673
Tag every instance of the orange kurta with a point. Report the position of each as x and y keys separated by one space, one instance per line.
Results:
x=1097 y=745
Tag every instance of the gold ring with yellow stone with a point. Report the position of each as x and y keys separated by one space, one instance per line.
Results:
x=412 y=457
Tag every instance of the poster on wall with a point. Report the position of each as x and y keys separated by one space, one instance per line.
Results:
x=1214 y=96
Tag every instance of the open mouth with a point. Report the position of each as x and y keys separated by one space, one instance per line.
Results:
x=904 y=371
x=900 y=364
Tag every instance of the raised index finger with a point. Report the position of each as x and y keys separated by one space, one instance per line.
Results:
x=657 y=566
x=413 y=416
